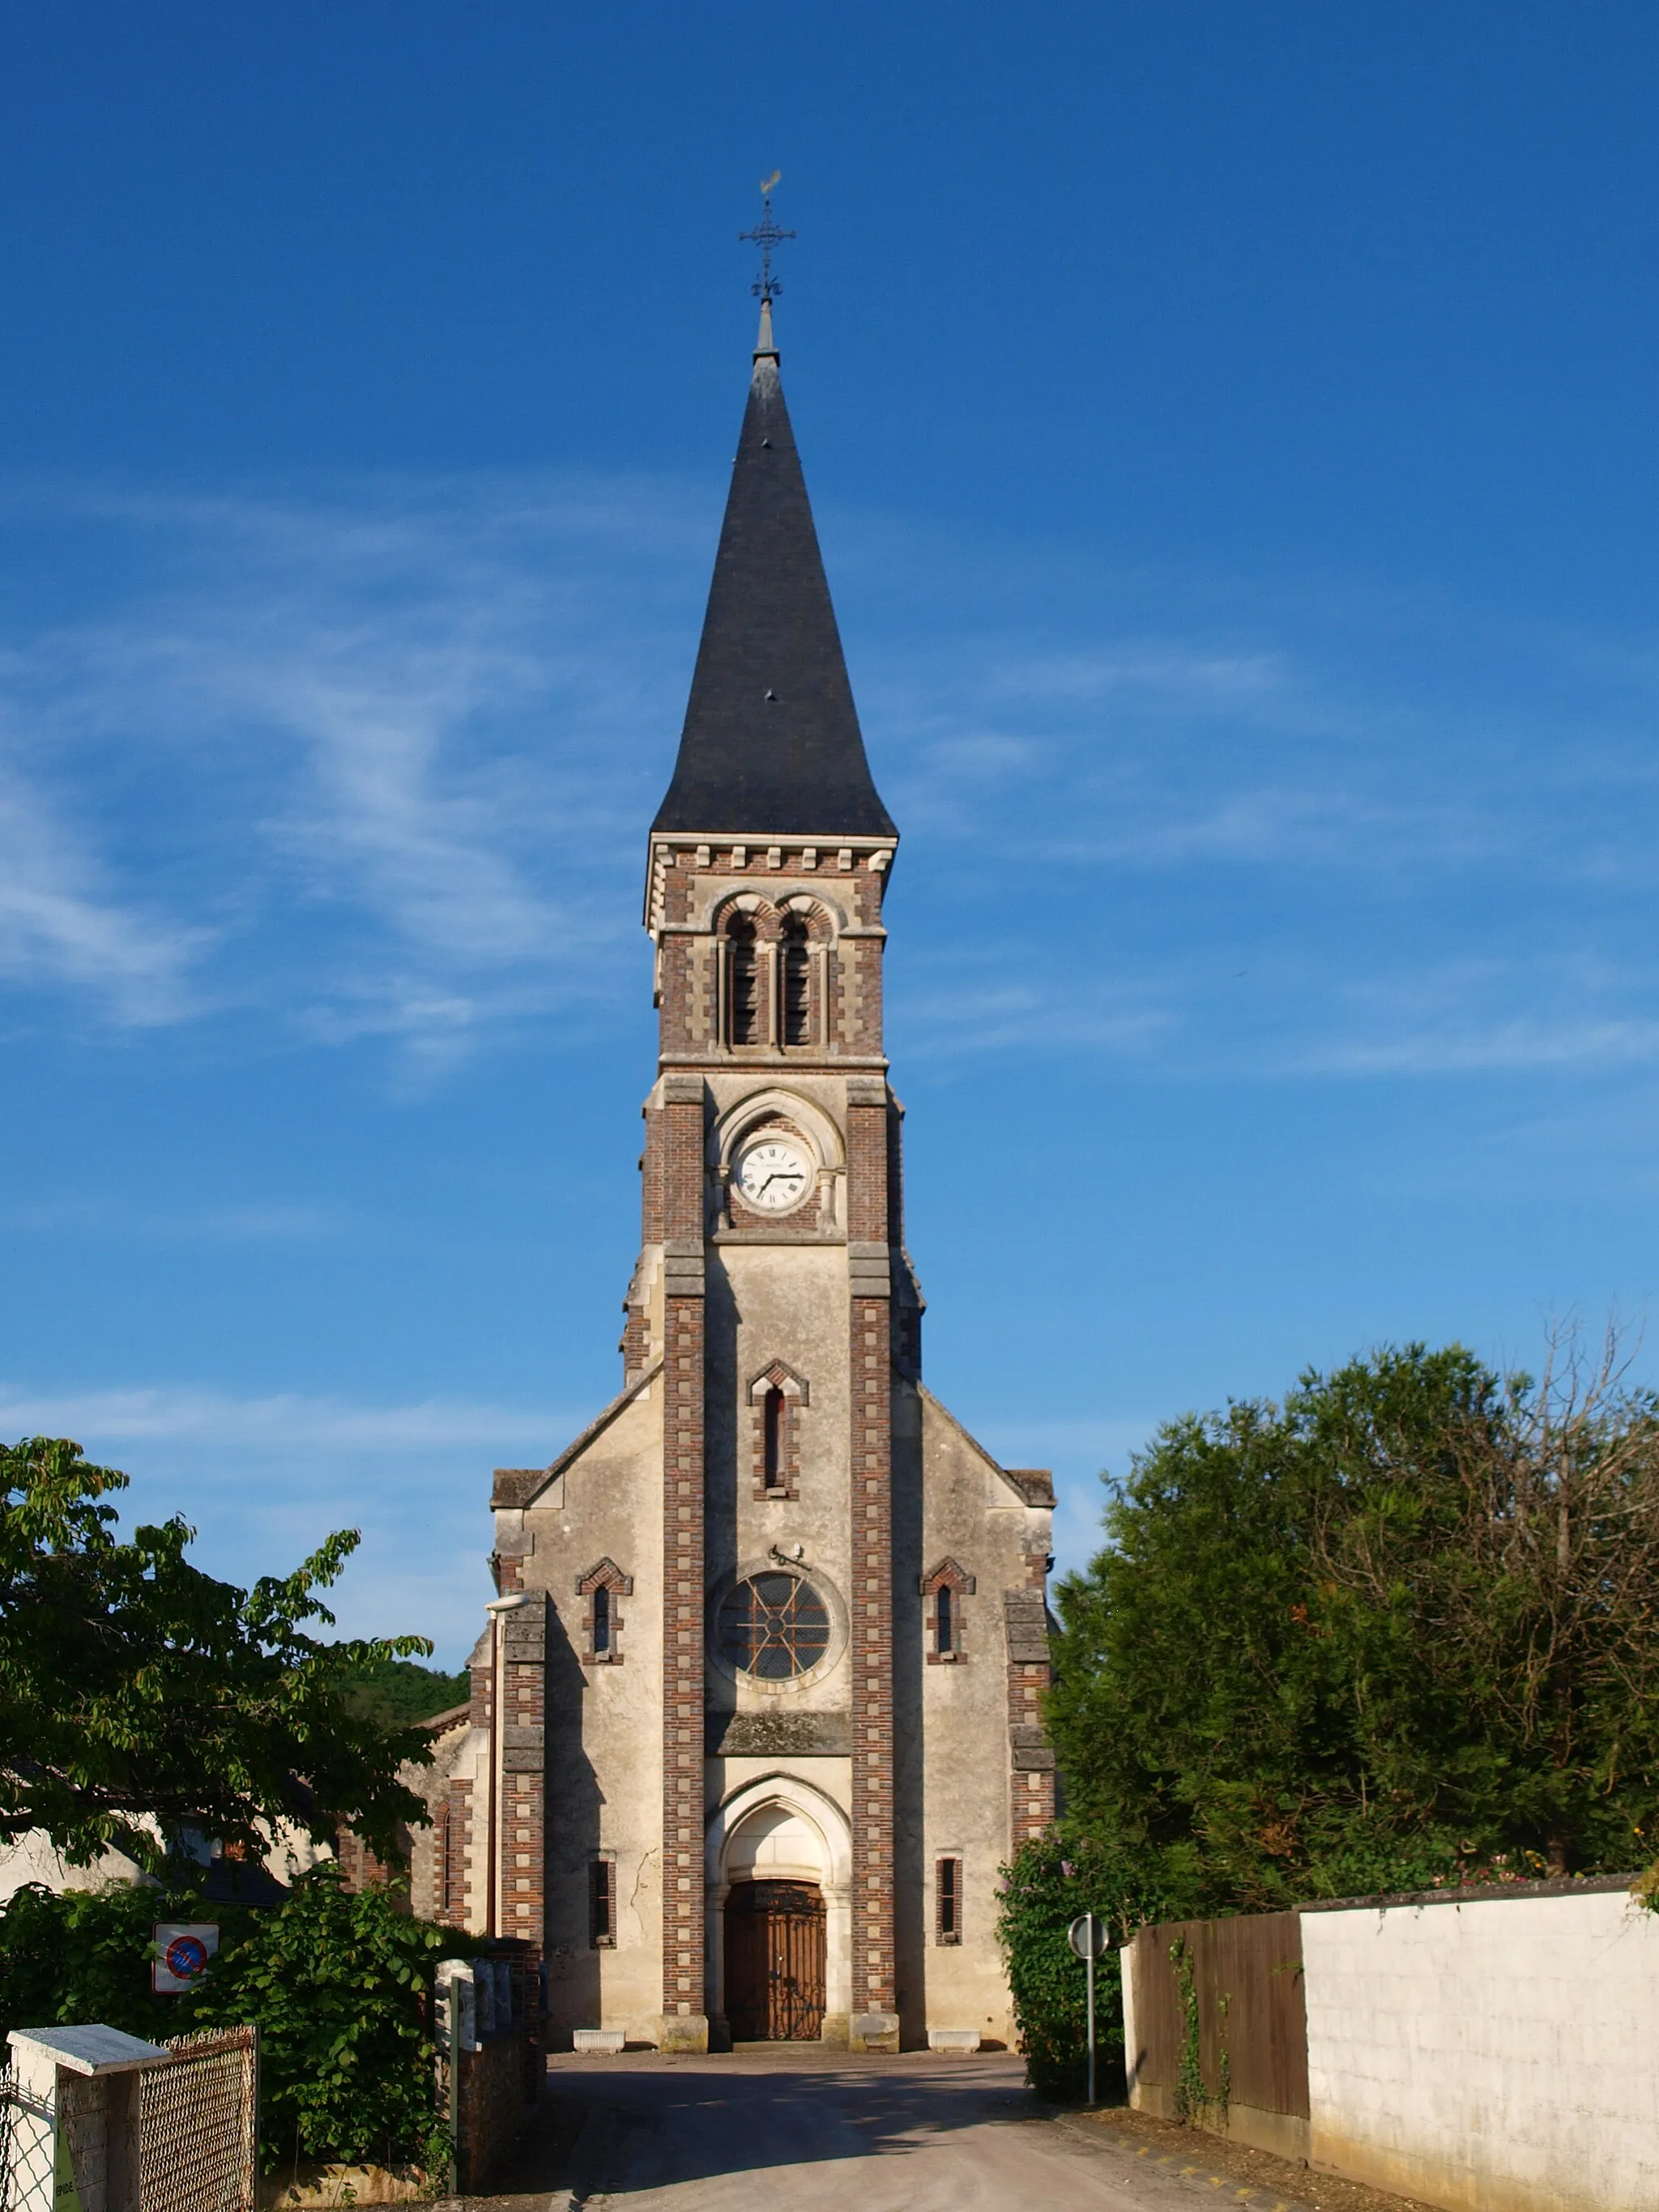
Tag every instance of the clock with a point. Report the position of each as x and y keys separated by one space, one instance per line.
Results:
x=773 y=1175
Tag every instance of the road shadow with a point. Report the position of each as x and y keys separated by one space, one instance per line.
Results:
x=652 y=2122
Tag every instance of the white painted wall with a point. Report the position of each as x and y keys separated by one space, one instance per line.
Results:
x=1495 y=2056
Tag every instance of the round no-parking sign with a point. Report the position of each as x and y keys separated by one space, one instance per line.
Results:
x=182 y=1950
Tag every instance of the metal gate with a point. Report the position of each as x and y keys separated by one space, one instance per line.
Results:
x=198 y=2124
x=775 y=1962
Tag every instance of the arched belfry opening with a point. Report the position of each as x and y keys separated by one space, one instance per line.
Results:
x=743 y=982
x=796 y=956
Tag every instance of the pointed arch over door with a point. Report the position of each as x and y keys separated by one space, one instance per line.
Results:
x=782 y=1830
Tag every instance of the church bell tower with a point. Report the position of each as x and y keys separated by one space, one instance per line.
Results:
x=757 y=1721
x=776 y=1149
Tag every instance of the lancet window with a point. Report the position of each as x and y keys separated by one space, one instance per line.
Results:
x=602 y=1585
x=943 y=1592
x=947 y=1900
x=776 y=1400
x=795 y=953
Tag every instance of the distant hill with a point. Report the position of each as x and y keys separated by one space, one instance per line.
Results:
x=399 y=1691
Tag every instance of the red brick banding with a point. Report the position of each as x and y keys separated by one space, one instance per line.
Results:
x=1031 y=1757
x=870 y=1369
x=683 y=1971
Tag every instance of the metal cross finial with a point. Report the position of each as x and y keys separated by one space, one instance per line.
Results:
x=765 y=234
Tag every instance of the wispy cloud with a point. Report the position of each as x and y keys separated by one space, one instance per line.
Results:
x=1174 y=673
x=1509 y=1047
x=281 y=1422
x=376 y=764
x=63 y=923
x=374 y=749
x=249 y=1222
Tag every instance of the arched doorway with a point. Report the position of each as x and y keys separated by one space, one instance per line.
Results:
x=774 y=1961
x=775 y=1929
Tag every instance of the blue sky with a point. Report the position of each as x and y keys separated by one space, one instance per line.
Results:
x=1233 y=437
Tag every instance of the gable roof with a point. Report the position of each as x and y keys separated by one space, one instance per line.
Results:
x=519 y=1487
x=1034 y=1484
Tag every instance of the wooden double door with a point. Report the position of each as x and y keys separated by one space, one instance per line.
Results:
x=774 y=1961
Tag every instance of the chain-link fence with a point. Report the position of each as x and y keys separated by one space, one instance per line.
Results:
x=28 y=2144
x=198 y=2124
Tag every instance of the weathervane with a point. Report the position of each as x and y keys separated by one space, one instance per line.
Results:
x=765 y=234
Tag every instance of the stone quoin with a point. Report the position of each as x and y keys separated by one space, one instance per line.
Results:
x=756 y=1719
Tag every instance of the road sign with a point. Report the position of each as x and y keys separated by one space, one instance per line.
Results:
x=181 y=1953
x=1087 y=1936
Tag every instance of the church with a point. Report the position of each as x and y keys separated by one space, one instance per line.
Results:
x=755 y=1720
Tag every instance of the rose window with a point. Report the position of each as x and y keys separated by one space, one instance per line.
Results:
x=774 y=1625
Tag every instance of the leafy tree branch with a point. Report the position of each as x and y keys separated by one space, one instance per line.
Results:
x=138 y=1694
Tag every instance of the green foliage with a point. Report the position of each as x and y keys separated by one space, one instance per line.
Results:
x=340 y=1987
x=86 y=1956
x=132 y=1683
x=1396 y=1632
x=1051 y=1881
x=394 y=1693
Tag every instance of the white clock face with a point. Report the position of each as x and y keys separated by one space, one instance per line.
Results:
x=773 y=1175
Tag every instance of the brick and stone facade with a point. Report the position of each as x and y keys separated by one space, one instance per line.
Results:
x=775 y=1490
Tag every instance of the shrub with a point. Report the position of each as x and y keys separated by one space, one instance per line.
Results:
x=1052 y=1880
x=86 y=1956
x=339 y=1984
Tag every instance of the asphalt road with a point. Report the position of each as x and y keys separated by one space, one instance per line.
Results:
x=777 y=2133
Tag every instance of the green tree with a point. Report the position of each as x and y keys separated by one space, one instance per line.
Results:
x=1399 y=1626
x=83 y=1955
x=395 y=1692
x=133 y=1685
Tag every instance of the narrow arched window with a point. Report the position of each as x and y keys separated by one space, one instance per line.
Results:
x=743 y=996
x=947 y=1901
x=797 y=982
x=945 y=1592
x=772 y=1439
x=602 y=1585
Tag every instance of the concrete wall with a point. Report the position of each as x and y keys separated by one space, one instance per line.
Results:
x=34 y=1857
x=1493 y=2055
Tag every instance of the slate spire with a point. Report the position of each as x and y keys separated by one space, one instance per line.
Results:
x=771 y=744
